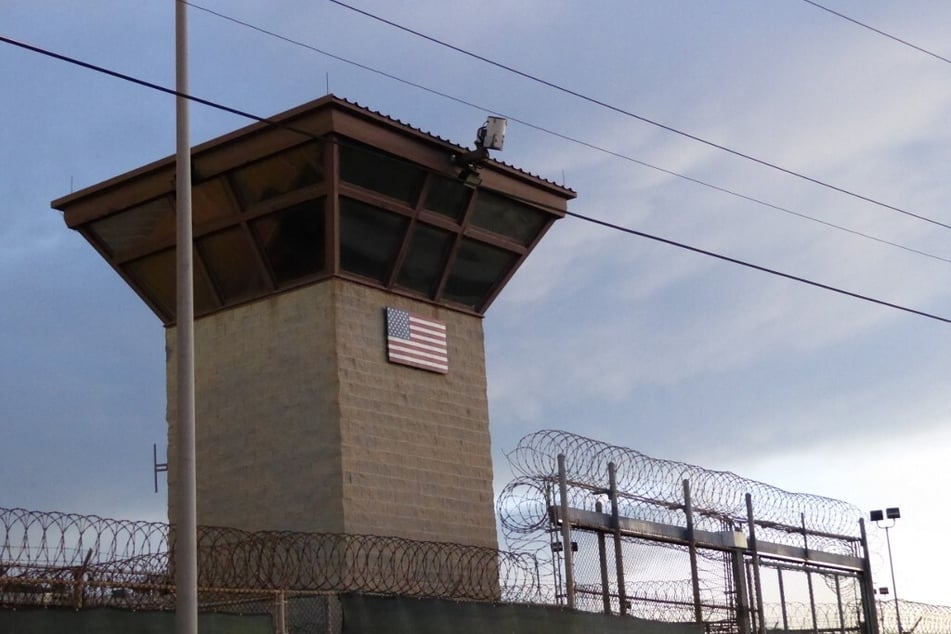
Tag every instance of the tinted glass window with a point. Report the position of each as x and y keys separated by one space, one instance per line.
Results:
x=211 y=201
x=229 y=257
x=507 y=217
x=147 y=224
x=477 y=270
x=155 y=275
x=370 y=239
x=447 y=197
x=423 y=265
x=279 y=174
x=293 y=240
x=371 y=169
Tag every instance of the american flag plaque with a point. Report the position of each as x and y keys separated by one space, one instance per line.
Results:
x=416 y=341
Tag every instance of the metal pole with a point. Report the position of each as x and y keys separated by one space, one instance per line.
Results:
x=891 y=564
x=868 y=591
x=186 y=532
x=812 y=594
x=692 y=551
x=838 y=600
x=742 y=607
x=566 y=532
x=782 y=599
x=618 y=551
x=280 y=613
x=751 y=589
x=603 y=561
x=757 y=583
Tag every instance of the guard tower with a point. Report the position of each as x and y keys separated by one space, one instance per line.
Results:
x=343 y=264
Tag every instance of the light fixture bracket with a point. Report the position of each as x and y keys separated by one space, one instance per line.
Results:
x=491 y=136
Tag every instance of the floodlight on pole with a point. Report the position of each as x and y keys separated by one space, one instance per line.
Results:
x=877 y=516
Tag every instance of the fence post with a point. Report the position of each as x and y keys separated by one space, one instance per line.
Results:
x=868 y=591
x=616 y=525
x=838 y=599
x=692 y=549
x=757 y=583
x=782 y=599
x=280 y=614
x=812 y=594
x=79 y=575
x=742 y=591
x=566 y=532
x=603 y=561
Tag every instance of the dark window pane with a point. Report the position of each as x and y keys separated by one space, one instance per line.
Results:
x=210 y=201
x=152 y=223
x=477 y=270
x=279 y=174
x=154 y=275
x=507 y=217
x=371 y=169
x=424 y=263
x=293 y=240
x=447 y=197
x=231 y=262
x=370 y=239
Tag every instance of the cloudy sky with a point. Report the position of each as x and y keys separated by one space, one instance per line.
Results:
x=610 y=335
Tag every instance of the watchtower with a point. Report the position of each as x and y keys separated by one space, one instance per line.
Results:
x=343 y=265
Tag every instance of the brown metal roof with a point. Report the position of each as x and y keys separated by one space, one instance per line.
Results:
x=329 y=188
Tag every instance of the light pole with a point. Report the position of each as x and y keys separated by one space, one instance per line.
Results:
x=892 y=513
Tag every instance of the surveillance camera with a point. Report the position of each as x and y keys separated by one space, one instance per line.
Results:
x=493 y=137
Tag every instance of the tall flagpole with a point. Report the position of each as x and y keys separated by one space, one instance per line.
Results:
x=186 y=529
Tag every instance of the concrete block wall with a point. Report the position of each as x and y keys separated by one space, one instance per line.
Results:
x=303 y=425
x=267 y=418
x=415 y=444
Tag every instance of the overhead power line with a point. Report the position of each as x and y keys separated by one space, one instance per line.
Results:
x=604 y=223
x=129 y=78
x=757 y=267
x=628 y=113
x=563 y=136
x=879 y=31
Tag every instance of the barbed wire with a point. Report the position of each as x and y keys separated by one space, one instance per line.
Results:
x=717 y=495
x=66 y=559
x=59 y=549
x=919 y=618
x=652 y=489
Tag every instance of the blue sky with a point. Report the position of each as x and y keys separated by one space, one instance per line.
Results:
x=627 y=340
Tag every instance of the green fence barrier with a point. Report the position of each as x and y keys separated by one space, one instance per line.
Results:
x=395 y=615
x=113 y=621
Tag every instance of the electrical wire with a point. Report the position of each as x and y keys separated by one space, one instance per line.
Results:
x=603 y=223
x=628 y=113
x=879 y=31
x=757 y=267
x=136 y=80
x=563 y=136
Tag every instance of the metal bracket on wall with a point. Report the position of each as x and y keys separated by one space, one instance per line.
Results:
x=157 y=467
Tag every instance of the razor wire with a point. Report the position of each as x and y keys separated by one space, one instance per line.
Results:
x=652 y=489
x=134 y=560
x=919 y=618
x=83 y=561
